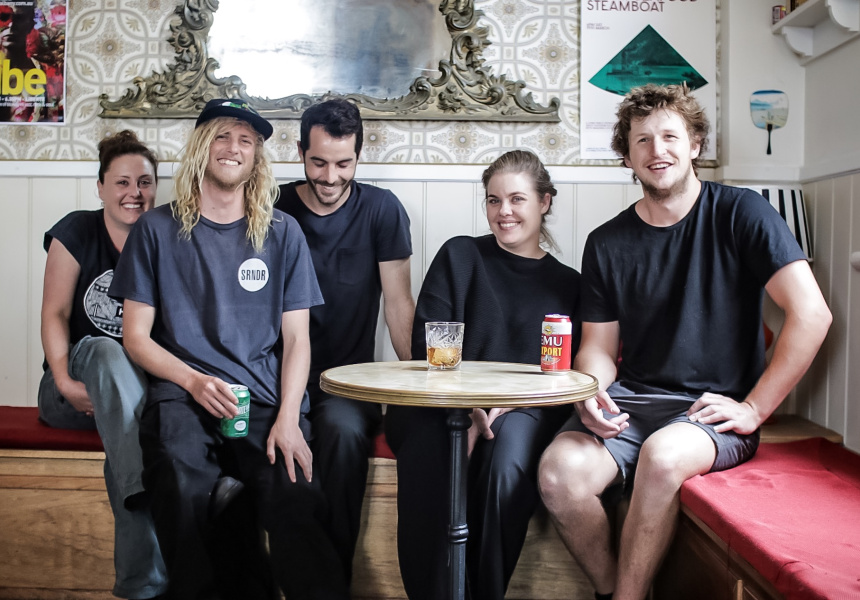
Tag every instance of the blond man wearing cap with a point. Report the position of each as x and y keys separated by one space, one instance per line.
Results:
x=210 y=283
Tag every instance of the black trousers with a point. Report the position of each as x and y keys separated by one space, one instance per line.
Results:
x=501 y=496
x=342 y=438
x=184 y=453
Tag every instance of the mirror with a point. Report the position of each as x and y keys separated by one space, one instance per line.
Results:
x=396 y=59
x=329 y=46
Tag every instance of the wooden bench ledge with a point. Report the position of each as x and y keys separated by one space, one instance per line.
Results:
x=792 y=428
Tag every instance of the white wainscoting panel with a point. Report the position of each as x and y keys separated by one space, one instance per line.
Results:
x=560 y=220
x=851 y=430
x=828 y=394
x=451 y=209
x=16 y=299
x=840 y=304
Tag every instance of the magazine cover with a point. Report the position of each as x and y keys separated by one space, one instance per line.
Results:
x=32 y=61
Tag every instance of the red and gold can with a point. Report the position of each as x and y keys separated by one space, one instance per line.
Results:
x=556 y=333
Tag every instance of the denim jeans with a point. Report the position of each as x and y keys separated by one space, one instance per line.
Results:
x=117 y=390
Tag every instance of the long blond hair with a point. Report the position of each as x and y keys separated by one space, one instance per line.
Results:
x=261 y=190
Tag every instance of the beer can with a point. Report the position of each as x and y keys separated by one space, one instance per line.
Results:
x=555 y=350
x=238 y=425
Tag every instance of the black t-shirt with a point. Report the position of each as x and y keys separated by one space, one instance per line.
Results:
x=84 y=235
x=346 y=247
x=502 y=298
x=688 y=298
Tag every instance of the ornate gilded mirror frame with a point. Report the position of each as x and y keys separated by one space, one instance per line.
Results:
x=464 y=90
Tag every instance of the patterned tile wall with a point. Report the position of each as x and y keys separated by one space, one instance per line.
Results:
x=109 y=42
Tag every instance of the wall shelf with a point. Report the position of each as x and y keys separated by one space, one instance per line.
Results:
x=819 y=26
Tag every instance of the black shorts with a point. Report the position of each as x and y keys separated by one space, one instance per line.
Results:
x=650 y=410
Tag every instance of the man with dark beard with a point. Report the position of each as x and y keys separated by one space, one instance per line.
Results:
x=360 y=243
x=679 y=277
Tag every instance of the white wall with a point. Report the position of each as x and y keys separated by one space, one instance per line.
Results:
x=832 y=116
x=820 y=146
x=754 y=59
x=829 y=393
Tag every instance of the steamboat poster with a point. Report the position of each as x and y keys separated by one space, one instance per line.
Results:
x=625 y=44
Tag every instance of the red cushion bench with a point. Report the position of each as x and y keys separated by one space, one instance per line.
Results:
x=786 y=524
x=21 y=429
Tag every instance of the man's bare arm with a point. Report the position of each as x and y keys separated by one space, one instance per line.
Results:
x=598 y=352
x=286 y=434
x=793 y=288
x=398 y=304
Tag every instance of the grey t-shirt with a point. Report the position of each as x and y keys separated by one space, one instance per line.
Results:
x=218 y=303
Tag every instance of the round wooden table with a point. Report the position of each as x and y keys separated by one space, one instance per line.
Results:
x=476 y=385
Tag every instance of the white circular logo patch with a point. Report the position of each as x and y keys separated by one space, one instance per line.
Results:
x=104 y=312
x=253 y=275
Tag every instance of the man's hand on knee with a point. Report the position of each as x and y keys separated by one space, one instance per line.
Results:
x=731 y=415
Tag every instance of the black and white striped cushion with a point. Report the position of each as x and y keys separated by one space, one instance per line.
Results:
x=788 y=202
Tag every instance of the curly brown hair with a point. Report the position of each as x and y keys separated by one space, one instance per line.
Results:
x=642 y=101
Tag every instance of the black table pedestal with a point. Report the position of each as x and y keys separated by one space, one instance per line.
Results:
x=459 y=422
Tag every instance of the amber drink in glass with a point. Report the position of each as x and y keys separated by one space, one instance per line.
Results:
x=444 y=345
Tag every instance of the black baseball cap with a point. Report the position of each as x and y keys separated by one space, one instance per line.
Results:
x=239 y=109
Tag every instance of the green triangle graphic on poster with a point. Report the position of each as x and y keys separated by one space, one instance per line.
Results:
x=648 y=58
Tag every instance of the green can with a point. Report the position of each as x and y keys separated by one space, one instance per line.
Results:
x=238 y=425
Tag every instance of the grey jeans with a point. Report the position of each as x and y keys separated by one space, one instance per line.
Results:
x=117 y=390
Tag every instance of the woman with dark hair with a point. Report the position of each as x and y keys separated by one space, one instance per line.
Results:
x=89 y=380
x=501 y=286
